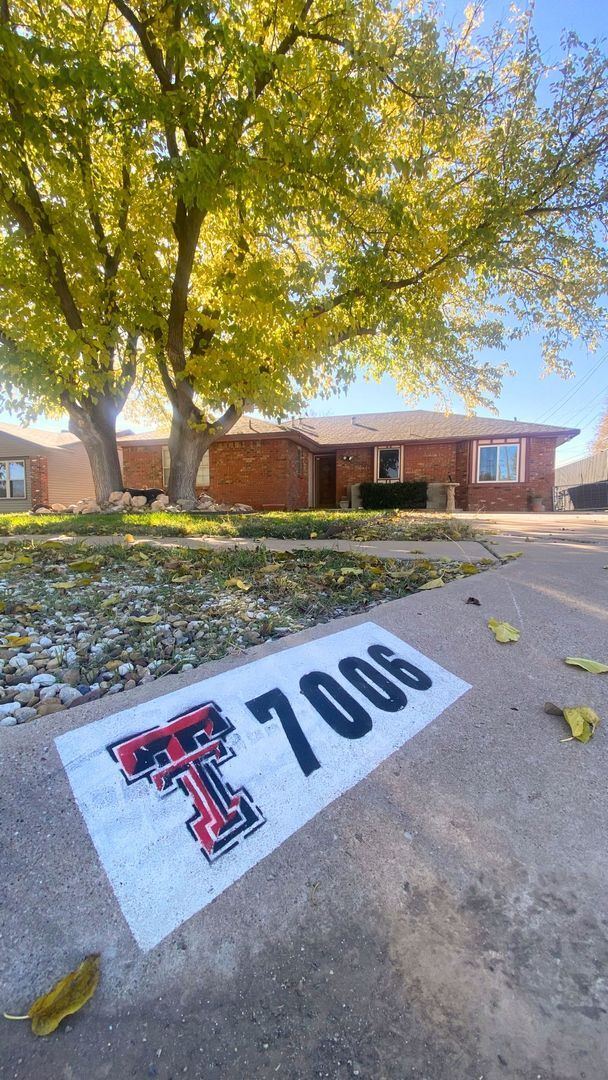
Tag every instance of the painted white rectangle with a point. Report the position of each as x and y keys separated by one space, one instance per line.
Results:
x=184 y=810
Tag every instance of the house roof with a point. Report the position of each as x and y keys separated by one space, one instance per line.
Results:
x=245 y=425
x=415 y=425
x=39 y=439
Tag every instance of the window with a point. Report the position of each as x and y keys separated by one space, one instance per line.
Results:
x=389 y=463
x=498 y=463
x=202 y=476
x=12 y=479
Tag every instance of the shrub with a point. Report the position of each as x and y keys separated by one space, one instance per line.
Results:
x=410 y=495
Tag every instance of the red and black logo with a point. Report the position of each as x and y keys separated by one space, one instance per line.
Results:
x=188 y=752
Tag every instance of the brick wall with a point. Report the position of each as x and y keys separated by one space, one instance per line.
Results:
x=433 y=462
x=39 y=481
x=540 y=474
x=358 y=471
x=266 y=473
x=461 y=476
x=142 y=466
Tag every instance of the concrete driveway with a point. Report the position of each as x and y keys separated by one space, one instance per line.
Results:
x=445 y=919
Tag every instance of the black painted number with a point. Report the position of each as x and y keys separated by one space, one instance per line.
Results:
x=332 y=701
x=276 y=701
x=337 y=707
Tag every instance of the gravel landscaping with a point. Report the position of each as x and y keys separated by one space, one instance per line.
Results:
x=281 y=525
x=79 y=622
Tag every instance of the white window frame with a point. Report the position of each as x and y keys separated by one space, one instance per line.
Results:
x=203 y=469
x=483 y=444
x=385 y=479
x=14 y=461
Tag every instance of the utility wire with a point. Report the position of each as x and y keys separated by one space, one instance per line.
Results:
x=557 y=408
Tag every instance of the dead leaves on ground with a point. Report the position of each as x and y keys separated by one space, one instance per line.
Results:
x=503 y=631
x=66 y=997
x=581 y=720
x=594 y=667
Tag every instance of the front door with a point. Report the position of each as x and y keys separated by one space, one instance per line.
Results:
x=325 y=481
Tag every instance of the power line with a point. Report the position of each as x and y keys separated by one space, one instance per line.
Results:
x=557 y=408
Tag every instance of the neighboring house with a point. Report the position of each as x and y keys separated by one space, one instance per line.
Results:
x=38 y=468
x=313 y=462
x=583 y=484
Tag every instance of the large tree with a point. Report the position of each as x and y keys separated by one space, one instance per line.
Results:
x=295 y=190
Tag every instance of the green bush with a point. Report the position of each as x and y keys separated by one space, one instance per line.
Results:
x=410 y=495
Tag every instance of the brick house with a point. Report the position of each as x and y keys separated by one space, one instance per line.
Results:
x=312 y=462
x=38 y=468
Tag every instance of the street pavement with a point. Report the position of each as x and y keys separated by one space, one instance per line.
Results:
x=445 y=919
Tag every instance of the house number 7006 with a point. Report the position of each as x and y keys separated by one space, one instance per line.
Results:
x=336 y=706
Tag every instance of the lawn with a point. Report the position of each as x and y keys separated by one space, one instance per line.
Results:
x=77 y=621
x=297 y=525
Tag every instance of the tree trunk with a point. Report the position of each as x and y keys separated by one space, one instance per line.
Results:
x=95 y=426
x=186 y=449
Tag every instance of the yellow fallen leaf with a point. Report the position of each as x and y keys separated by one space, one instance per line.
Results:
x=375 y=569
x=351 y=570
x=593 y=666
x=503 y=631
x=64 y=585
x=433 y=583
x=14 y=641
x=313 y=535
x=110 y=601
x=400 y=573
x=129 y=538
x=468 y=568
x=271 y=567
x=22 y=560
x=582 y=722
x=376 y=586
x=238 y=582
x=182 y=579
x=340 y=580
x=147 y=620
x=66 y=997
x=84 y=565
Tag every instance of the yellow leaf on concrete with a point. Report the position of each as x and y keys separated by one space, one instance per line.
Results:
x=433 y=583
x=66 y=997
x=469 y=568
x=582 y=722
x=593 y=666
x=238 y=583
x=147 y=620
x=503 y=631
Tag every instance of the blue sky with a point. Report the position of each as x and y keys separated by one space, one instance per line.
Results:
x=527 y=395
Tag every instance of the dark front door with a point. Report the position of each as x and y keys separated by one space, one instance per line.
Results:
x=325 y=475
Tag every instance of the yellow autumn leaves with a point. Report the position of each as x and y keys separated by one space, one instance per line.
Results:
x=66 y=997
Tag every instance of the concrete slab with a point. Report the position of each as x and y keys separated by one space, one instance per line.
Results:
x=465 y=550
x=445 y=919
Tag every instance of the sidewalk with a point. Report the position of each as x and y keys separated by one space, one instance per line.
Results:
x=444 y=919
x=464 y=550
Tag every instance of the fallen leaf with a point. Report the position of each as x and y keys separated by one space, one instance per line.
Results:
x=22 y=560
x=593 y=666
x=376 y=586
x=182 y=579
x=400 y=573
x=147 y=620
x=66 y=997
x=581 y=721
x=469 y=568
x=14 y=641
x=351 y=570
x=503 y=631
x=271 y=567
x=110 y=601
x=512 y=555
x=375 y=569
x=129 y=538
x=54 y=544
x=473 y=600
x=238 y=582
x=84 y=565
x=313 y=536
x=434 y=583
x=71 y=584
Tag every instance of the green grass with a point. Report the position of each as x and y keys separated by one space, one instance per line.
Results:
x=284 y=525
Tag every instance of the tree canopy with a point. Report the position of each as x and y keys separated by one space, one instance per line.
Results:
x=253 y=201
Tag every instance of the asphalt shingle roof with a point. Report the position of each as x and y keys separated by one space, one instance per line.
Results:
x=412 y=425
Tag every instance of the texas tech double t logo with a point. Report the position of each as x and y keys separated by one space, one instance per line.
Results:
x=187 y=753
